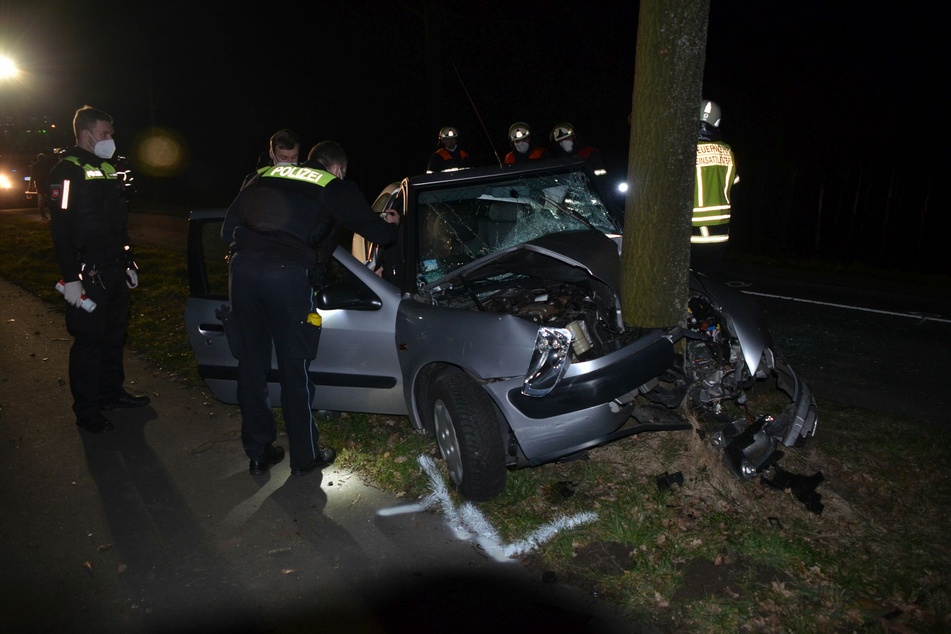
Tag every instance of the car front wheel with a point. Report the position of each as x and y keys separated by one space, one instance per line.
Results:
x=468 y=437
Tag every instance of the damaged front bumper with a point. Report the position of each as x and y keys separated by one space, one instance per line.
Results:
x=752 y=446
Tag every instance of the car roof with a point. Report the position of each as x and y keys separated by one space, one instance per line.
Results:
x=491 y=171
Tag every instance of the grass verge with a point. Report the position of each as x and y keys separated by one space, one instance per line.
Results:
x=710 y=555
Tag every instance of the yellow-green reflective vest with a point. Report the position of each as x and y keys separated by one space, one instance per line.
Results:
x=297 y=173
x=92 y=172
x=716 y=175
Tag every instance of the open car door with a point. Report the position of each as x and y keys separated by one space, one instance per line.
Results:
x=356 y=369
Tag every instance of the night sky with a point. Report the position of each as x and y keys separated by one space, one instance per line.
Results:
x=831 y=99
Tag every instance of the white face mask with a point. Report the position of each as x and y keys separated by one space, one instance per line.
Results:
x=283 y=157
x=567 y=146
x=105 y=148
x=521 y=147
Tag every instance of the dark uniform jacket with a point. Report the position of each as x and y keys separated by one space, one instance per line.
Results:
x=88 y=214
x=534 y=152
x=590 y=154
x=290 y=214
x=444 y=159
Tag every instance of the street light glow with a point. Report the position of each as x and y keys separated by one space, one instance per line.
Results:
x=8 y=68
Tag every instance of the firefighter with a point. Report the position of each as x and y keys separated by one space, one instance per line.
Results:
x=449 y=155
x=523 y=145
x=715 y=177
x=565 y=143
x=88 y=224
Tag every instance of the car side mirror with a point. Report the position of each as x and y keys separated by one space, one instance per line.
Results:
x=340 y=296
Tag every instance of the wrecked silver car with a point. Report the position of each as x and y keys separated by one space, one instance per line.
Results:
x=495 y=325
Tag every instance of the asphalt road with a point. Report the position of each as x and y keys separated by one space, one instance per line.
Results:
x=865 y=342
x=158 y=527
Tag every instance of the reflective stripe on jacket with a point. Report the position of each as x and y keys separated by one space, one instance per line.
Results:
x=105 y=171
x=715 y=177
x=88 y=215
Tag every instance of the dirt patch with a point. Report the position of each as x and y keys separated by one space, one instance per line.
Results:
x=606 y=558
x=703 y=578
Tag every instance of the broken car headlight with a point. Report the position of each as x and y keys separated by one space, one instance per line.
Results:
x=550 y=361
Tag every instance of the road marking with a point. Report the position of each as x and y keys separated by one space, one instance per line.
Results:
x=921 y=316
x=467 y=522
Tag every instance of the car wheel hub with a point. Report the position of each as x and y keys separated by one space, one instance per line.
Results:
x=447 y=441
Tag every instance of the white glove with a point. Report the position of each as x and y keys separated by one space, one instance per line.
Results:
x=131 y=278
x=73 y=292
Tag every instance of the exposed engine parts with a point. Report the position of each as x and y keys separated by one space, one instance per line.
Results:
x=558 y=305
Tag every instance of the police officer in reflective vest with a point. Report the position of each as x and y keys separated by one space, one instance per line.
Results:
x=88 y=224
x=282 y=226
x=715 y=177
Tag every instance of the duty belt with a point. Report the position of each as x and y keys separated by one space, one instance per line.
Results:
x=105 y=263
x=91 y=270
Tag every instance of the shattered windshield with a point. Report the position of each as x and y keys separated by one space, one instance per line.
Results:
x=472 y=220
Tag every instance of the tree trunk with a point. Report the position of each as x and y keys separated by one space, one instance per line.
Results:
x=668 y=78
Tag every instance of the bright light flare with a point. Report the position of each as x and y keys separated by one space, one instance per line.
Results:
x=622 y=187
x=8 y=68
x=161 y=153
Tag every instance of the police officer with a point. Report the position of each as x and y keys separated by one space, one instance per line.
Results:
x=449 y=155
x=283 y=227
x=88 y=223
x=523 y=145
x=283 y=149
x=40 y=175
x=716 y=175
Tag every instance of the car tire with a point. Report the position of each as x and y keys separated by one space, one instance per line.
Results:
x=468 y=436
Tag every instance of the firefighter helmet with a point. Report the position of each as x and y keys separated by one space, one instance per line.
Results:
x=710 y=113
x=448 y=132
x=562 y=132
x=519 y=131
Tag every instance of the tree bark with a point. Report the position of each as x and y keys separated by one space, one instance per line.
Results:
x=668 y=81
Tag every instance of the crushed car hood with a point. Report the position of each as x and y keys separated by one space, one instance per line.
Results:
x=585 y=258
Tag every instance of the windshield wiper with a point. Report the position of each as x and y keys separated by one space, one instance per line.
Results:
x=574 y=214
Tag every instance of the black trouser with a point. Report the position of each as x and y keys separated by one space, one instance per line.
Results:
x=270 y=302
x=708 y=258
x=95 y=359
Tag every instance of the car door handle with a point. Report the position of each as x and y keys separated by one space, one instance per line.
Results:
x=211 y=330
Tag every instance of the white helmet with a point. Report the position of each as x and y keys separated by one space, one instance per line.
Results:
x=448 y=132
x=561 y=132
x=519 y=131
x=710 y=112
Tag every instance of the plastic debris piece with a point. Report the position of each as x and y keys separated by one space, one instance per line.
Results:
x=803 y=487
x=668 y=480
